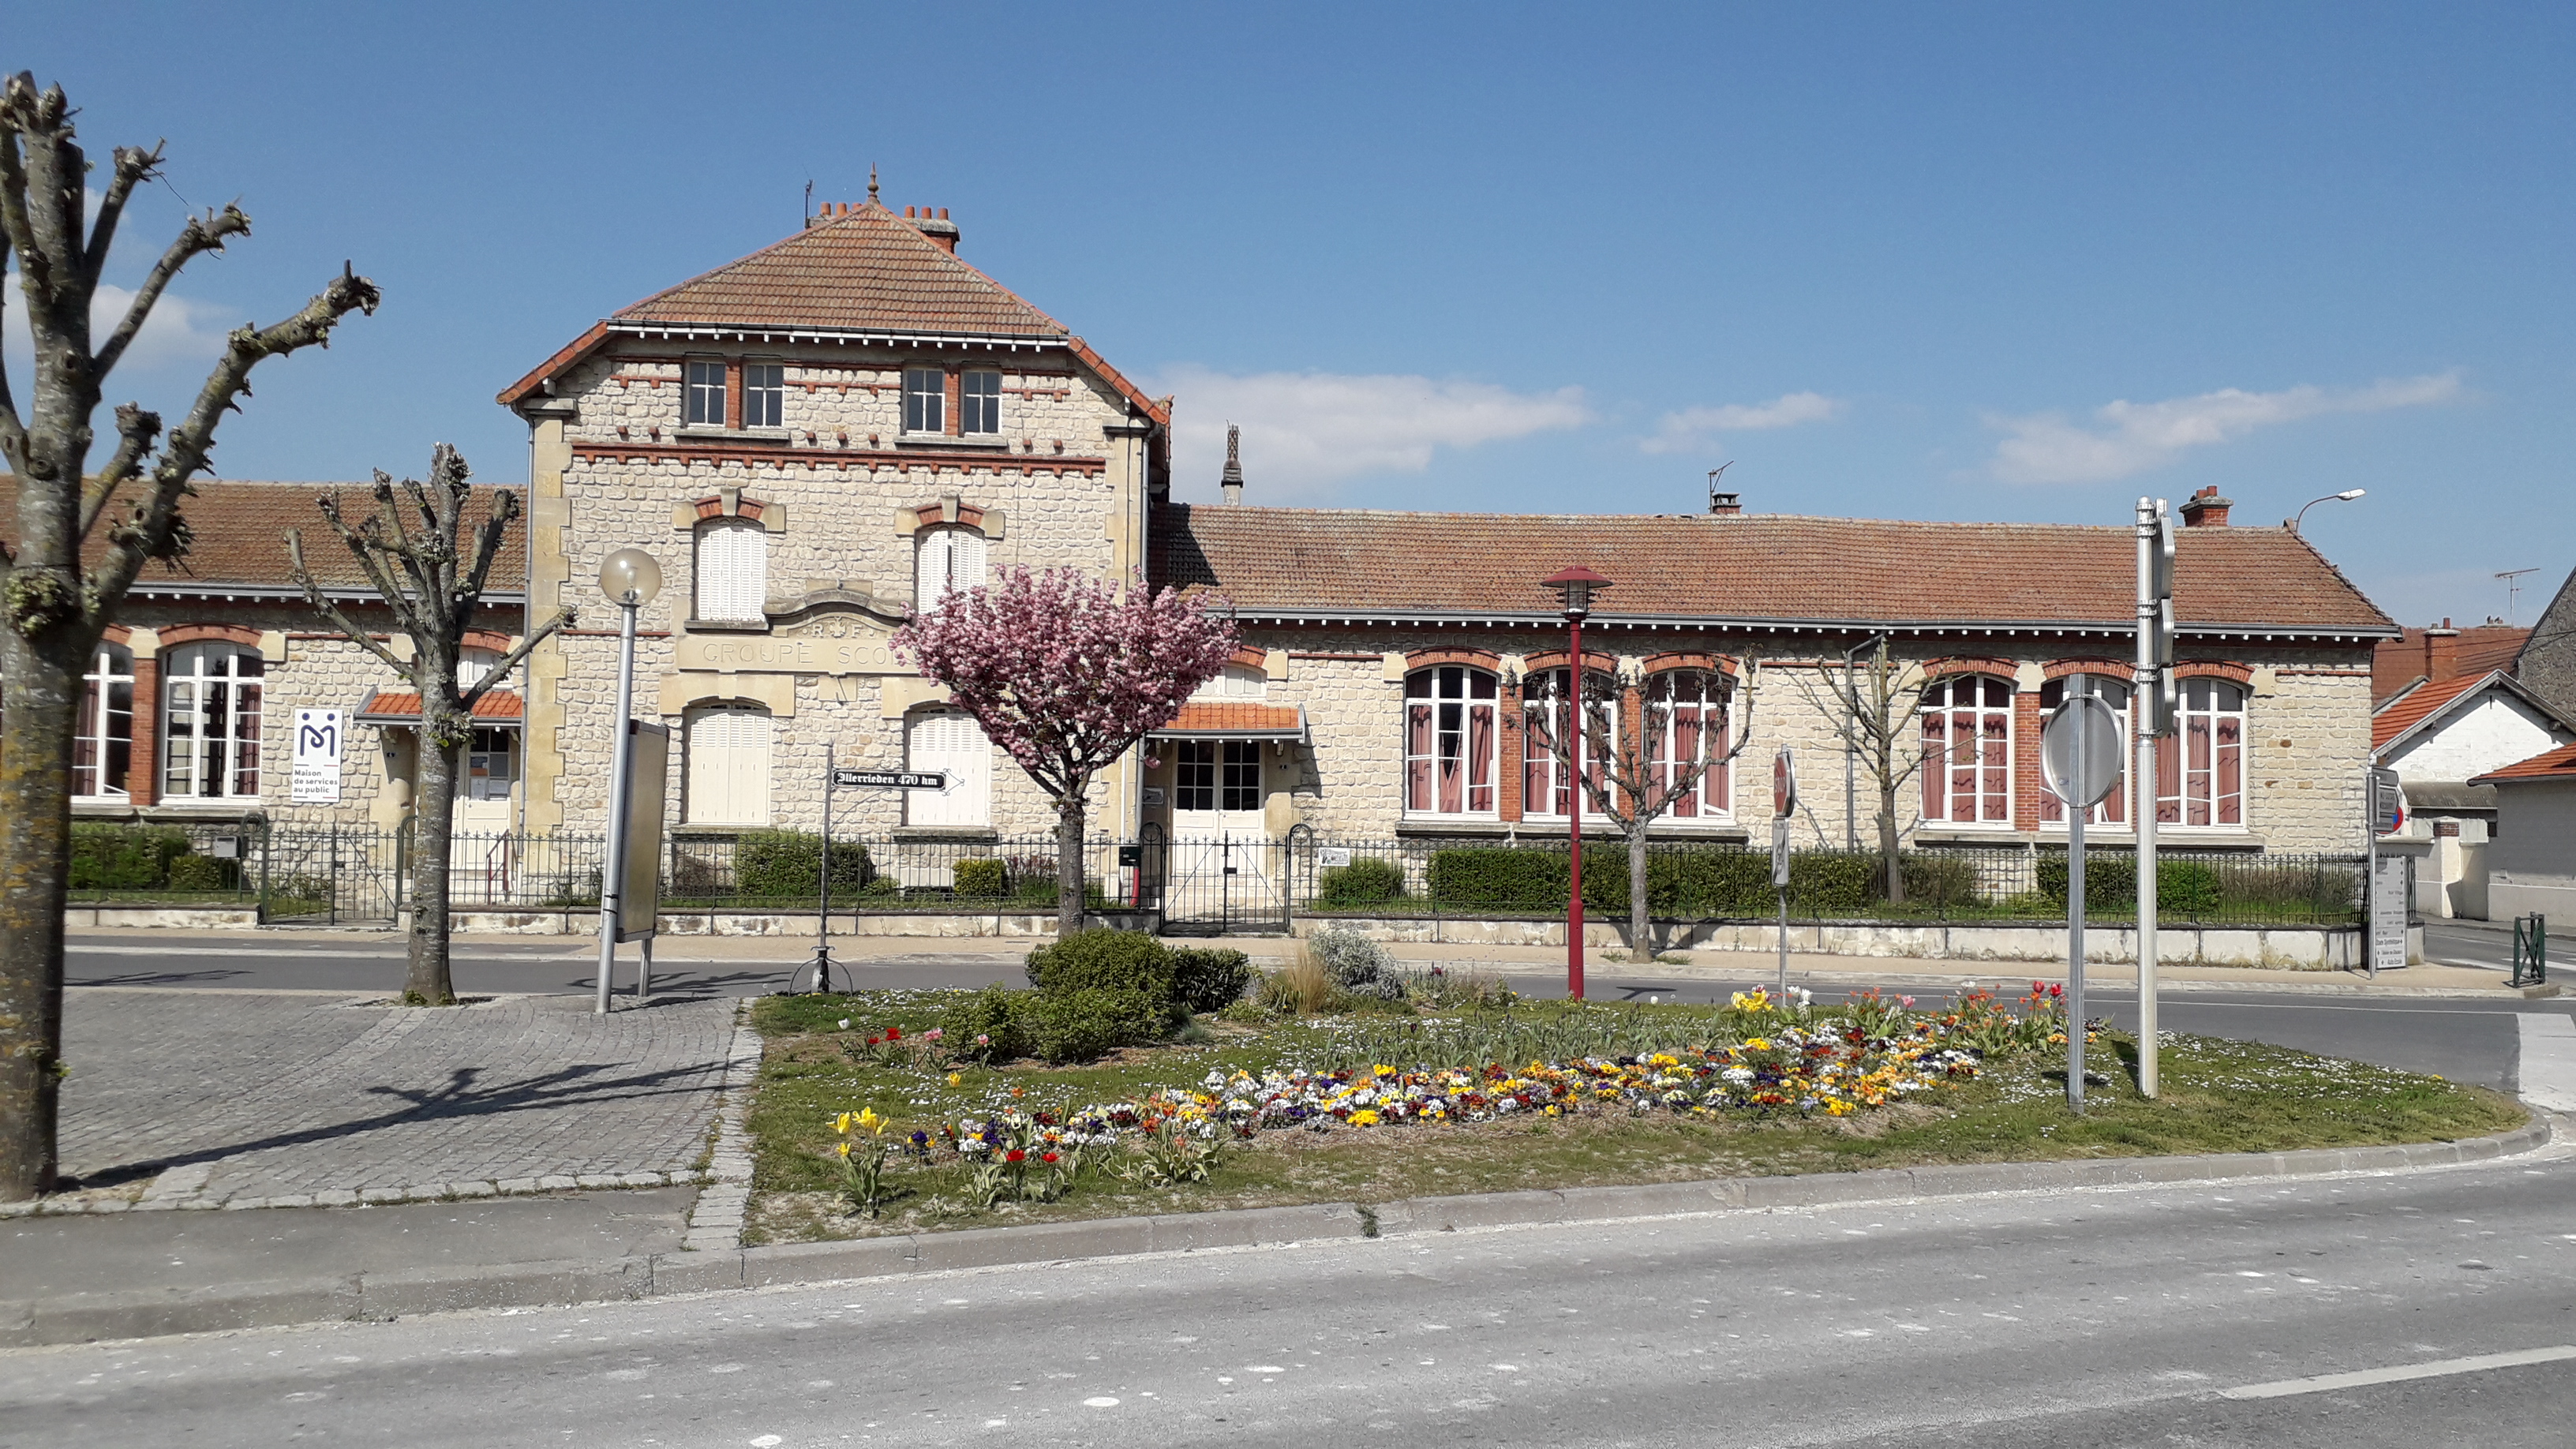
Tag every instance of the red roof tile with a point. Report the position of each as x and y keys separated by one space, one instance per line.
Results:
x=399 y=706
x=1201 y=718
x=239 y=533
x=1746 y=567
x=2471 y=651
x=869 y=271
x=2557 y=764
x=2420 y=704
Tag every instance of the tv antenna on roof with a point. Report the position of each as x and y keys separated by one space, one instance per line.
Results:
x=1713 y=475
x=2513 y=591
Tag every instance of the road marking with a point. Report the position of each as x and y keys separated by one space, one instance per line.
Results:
x=2439 y=1368
x=2547 y=1073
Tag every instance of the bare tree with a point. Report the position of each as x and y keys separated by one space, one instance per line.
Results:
x=1686 y=725
x=83 y=536
x=432 y=584
x=1872 y=710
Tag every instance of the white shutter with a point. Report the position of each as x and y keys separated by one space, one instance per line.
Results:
x=966 y=562
x=729 y=767
x=954 y=745
x=951 y=560
x=733 y=570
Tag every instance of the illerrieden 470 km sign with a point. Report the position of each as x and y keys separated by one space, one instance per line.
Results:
x=889 y=780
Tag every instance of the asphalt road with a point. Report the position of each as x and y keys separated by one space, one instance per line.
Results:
x=2465 y=1039
x=2121 y=1317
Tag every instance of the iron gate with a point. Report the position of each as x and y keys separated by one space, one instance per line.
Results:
x=333 y=877
x=1215 y=885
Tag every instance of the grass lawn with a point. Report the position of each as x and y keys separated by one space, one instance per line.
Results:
x=2220 y=1096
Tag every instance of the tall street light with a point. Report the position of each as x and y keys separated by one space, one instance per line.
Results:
x=2346 y=496
x=630 y=578
x=1574 y=590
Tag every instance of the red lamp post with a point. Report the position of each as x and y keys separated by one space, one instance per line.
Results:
x=1574 y=590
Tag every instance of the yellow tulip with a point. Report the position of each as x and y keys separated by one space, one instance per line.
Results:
x=843 y=1125
x=869 y=1119
x=955 y=1080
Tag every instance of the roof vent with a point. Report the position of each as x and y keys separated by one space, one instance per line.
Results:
x=1725 y=503
x=1232 y=481
x=936 y=227
x=2205 y=509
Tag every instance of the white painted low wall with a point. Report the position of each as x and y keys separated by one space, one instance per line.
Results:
x=173 y=918
x=2290 y=948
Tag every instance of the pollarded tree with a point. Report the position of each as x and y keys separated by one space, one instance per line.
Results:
x=1874 y=710
x=432 y=581
x=1647 y=748
x=83 y=535
x=1067 y=673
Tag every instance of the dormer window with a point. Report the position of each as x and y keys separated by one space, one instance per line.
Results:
x=925 y=400
x=979 y=404
x=764 y=395
x=705 y=392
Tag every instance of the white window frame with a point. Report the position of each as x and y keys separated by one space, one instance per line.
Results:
x=483 y=746
x=110 y=665
x=2114 y=809
x=1447 y=694
x=2174 y=772
x=730 y=571
x=746 y=771
x=1714 y=798
x=984 y=408
x=764 y=395
x=948 y=559
x=218 y=746
x=925 y=408
x=1234 y=682
x=702 y=393
x=1942 y=777
x=967 y=802
x=1542 y=690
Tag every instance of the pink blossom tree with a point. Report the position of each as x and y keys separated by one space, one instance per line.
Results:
x=1067 y=673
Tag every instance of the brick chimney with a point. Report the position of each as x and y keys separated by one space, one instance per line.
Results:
x=1232 y=482
x=2205 y=509
x=1725 y=503
x=938 y=228
x=2441 y=652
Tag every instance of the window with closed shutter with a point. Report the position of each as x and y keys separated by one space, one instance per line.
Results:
x=953 y=745
x=950 y=561
x=728 y=782
x=733 y=571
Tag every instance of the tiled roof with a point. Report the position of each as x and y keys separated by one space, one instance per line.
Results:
x=2557 y=764
x=868 y=271
x=397 y=706
x=239 y=533
x=1239 y=720
x=2473 y=651
x=2420 y=704
x=1747 y=567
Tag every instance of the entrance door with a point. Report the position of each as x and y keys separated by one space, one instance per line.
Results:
x=1220 y=836
x=483 y=859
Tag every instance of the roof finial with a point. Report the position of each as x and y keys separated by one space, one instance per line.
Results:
x=1232 y=482
x=872 y=181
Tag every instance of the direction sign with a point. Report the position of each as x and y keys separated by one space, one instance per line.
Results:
x=2387 y=802
x=1784 y=783
x=888 y=780
x=2091 y=715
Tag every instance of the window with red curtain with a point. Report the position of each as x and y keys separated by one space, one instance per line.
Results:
x=2200 y=768
x=1548 y=787
x=2114 y=809
x=1450 y=765
x=1686 y=712
x=1967 y=750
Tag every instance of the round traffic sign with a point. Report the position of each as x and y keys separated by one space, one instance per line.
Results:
x=1784 y=783
x=2099 y=730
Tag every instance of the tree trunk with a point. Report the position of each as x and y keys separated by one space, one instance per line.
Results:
x=1889 y=861
x=1068 y=861
x=427 y=980
x=1640 y=945
x=35 y=868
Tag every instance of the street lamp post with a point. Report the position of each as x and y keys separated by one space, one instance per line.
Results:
x=630 y=577
x=1574 y=590
x=2346 y=496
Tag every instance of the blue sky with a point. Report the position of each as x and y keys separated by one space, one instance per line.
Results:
x=2012 y=262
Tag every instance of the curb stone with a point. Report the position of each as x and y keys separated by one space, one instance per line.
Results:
x=145 y=1314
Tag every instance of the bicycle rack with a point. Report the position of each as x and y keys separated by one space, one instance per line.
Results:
x=2530 y=950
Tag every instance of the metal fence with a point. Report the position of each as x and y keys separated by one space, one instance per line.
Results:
x=1209 y=885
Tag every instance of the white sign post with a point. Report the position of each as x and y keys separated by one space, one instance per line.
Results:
x=2391 y=881
x=2080 y=755
x=1784 y=804
x=319 y=734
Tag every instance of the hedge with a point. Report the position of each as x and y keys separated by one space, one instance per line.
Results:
x=1105 y=960
x=1691 y=883
x=1209 y=978
x=1367 y=881
x=788 y=865
x=124 y=857
x=981 y=878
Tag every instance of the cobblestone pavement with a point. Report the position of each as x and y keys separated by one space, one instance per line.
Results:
x=246 y=1098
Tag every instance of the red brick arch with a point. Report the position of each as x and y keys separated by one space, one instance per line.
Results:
x=492 y=639
x=2113 y=668
x=1249 y=657
x=1484 y=659
x=1559 y=659
x=117 y=634
x=180 y=634
x=2214 y=669
x=2003 y=669
x=1687 y=659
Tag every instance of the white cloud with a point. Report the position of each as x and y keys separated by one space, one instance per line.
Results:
x=178 y=330
x=1304 y=431
x=2134 y=437
x=1691 y=428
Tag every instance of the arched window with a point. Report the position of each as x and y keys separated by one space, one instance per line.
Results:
x=210 y=722
x=1235 y=681
x=949 y=742
x=1686 y=716
x=949 y=561
x=1547 y=716
x=2114 y=809
x=2200 y=768
x=472 y=664
x=732 y=570
x=1967 y=750
x=728 y=776
x=1451 y=764
x=103 y=744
